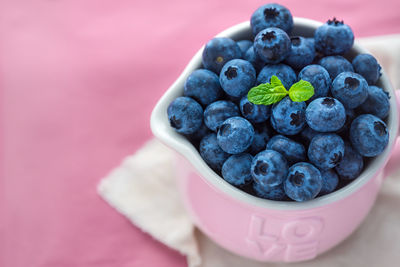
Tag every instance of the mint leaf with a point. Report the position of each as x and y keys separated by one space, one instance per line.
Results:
x=301 y=91
x=275 y=82
x=270 y=93
x=267 y=93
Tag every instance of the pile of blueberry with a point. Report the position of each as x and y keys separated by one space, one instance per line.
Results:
x=288 y=150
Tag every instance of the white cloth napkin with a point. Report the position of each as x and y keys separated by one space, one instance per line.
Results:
x=146 y=181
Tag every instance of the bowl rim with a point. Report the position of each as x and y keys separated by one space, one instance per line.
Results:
x=161 y=129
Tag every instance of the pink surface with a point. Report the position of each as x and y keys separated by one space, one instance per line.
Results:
x=78 y=80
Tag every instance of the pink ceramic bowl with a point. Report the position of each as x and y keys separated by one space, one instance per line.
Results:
x=262 y=229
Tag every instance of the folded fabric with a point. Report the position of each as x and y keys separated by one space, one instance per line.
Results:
x=144 y=189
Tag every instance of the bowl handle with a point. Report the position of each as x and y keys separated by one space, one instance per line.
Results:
x=394 y=161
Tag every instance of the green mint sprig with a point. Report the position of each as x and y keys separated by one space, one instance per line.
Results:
x=270 y=93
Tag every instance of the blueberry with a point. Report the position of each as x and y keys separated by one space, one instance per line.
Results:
x=288 y=117
x=325 y=114
x=336 y=65
x=326 y=150
x=311 y=41
x=237 y=77
x=308 y=134
x=235 y=135
x=369 y=135
x=303 y=182
x=318 y=54
x=271 y=15
x=377 y=102
x=301 y=54
x=203 y=85
x=252 y=112
x=244 y=45
x=285 y=73
x=218 y=51
x=350 y=88
x=217 y=112
x=351 y=165
x=270 y=192
x=350 y=116
x=269 y=168
x=236 y=169
x=211 y=153
x=199 y=134
x=333 y=38
x=330 y=180
x=368 y=67
x=261 y=137
x=319 y=78
x=235 y=100
x=254 y=59
x=185 y=115
x=272 y=45
x=291 y=150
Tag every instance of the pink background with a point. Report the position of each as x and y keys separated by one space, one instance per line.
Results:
x=78 y=82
